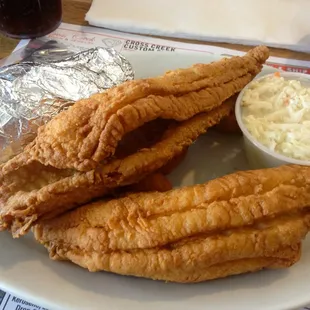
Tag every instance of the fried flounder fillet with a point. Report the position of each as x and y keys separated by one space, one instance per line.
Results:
x=229 y=124
x=50 y=176
x=156 y=182
x=35 y=191
x=239 y=223
x=88 y=132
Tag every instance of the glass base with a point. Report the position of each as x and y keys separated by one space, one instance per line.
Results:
x=30 y=36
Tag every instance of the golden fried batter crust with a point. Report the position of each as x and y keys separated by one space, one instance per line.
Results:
x=36 y=190
x=156 y=182
x=238 y=223
x=89 y=131
x=72 y=160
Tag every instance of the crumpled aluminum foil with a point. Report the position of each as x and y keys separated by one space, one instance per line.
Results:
x=34 y=91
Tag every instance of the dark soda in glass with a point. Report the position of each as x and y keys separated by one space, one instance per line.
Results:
x=24 y=19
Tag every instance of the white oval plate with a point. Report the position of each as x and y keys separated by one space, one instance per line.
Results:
x=26 y=270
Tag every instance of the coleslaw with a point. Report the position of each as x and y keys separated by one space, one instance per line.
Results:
x=276 y=112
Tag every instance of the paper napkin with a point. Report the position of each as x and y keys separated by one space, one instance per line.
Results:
x=279 y=23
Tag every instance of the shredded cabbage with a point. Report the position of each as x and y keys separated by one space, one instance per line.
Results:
x=276 y=111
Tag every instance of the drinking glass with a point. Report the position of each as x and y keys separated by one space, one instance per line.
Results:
x=27 y=19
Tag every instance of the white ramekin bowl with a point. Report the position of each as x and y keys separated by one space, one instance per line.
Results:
x=259 y=156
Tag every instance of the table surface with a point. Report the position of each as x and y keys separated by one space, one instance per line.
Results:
x=75 y=10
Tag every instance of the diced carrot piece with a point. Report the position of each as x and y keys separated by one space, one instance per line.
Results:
x=277 y=74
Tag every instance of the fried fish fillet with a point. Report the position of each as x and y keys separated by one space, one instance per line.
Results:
x=36 y=191
x=156 y=182
x=229 y=124
x=239 y=223
x=88 y=132
x=73 y=159
x=174 y=163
